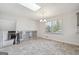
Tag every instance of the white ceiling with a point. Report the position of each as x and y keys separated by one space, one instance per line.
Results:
x=48 y=9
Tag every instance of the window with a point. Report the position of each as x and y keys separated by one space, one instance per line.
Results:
x=54 y=26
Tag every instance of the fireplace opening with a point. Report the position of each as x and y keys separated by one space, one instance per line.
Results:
x=11 y=35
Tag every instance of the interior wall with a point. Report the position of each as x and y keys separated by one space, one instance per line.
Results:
x=68 y=35
x=1 y=39
x=25 y=24
x=12 y=23
x=7 y=25
x=78 y=19
x=7 y=22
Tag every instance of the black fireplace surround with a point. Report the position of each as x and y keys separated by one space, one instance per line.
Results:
x=11 y=35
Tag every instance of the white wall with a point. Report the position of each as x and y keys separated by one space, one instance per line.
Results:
x=7 y=22
x=68 y=35
x=25 y=25
x=7 y=25
x=1 y=39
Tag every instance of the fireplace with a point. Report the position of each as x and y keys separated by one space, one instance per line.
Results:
x=11 y=35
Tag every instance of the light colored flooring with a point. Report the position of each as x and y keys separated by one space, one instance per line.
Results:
x=41 y=47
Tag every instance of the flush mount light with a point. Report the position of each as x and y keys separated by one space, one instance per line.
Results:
x=43 y=20
x=31 y=6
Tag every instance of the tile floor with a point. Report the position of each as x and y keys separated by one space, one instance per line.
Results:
x=41 y=47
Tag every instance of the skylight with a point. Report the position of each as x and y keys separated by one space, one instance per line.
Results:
x=32 y=6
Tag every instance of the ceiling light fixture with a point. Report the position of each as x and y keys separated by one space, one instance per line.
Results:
x=43 y=18
x=31 y=6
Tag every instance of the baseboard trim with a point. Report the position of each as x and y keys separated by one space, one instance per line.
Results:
x=61 y=41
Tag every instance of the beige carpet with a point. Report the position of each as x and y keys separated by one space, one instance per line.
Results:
x=41 y=47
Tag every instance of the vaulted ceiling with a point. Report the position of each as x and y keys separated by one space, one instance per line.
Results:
x=48 y=9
